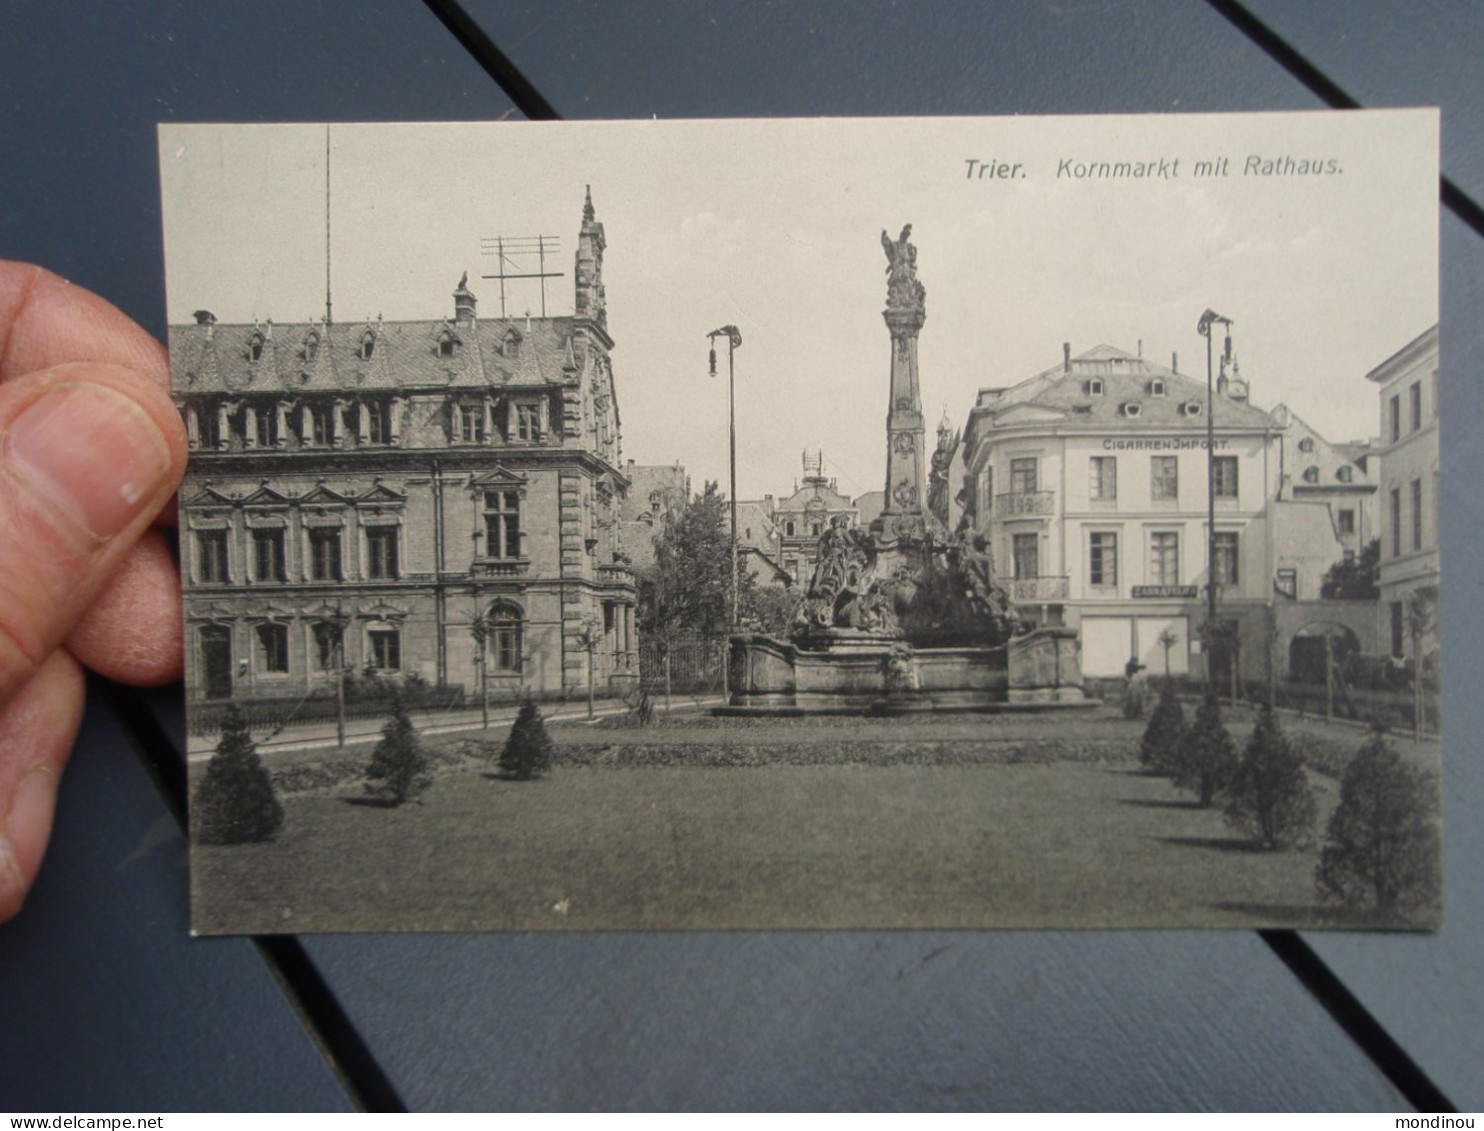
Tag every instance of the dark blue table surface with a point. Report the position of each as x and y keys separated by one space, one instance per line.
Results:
x=107 y=1004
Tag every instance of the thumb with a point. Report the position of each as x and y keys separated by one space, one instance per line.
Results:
x=88 y=454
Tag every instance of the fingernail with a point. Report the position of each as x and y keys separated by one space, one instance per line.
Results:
x=89 y=450
x=28 y=822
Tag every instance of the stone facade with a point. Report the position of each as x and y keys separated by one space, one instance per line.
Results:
x=1410 y=488
x=367 y=493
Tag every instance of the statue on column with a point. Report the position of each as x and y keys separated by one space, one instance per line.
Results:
x=903 y=291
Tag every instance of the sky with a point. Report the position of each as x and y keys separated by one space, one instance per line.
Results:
x=775 y=226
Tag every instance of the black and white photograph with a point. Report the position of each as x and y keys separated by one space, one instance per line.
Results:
x=866 y=523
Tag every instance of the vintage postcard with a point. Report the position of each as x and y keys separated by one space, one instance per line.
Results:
x=769 y=524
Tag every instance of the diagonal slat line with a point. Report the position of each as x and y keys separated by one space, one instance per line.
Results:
x=473 y=39
x=1291 y=60
x=1357 y=1021
x=330 y=1027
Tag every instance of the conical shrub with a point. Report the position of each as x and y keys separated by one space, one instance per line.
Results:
x=399 y=770
x=1270 y=796
x=1208 y=757
x=235 y=802
x=527 y=752
x=1159 y=750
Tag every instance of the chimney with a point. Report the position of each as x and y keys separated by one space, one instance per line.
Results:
x=1174 y=363
x=464 y=303
x=207 y=319
x=1066 y=357
x=1141 y=349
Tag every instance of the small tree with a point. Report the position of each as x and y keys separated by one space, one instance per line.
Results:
x=235 y=803
x=1208 y=758
x=399 y=768
x=1270 y=797
x=1165 y=735
x=1382 y=847
x=527 y=752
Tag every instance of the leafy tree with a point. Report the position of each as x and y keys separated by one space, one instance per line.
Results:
x=1382 y=847
x=690 y=589
x=1270 y=797
x=767 y=607
x=399 y=769
x=1208 y=758
x=1165 y=735
x=1355 y=580
x=528 y=749
x=235 y=802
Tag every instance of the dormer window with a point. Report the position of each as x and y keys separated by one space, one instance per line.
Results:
x=1156 y=388
x=367 y=346
x=1192 y=408
x=447 y=344
x=1094 y=387
x=311 y=346
x=255 y=347
x=1345 y=474
x=1306 y=444
x=511 y=347
x=1133 y=408
x=1311 y=474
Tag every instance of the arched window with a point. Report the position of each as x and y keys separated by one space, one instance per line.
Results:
x=504 y=637
x=255 y=347
x=1344 y=473
x=367 y=346
x=1306 y=444
x=1311 y=474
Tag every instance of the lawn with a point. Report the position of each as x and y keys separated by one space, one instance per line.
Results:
x=966 y=822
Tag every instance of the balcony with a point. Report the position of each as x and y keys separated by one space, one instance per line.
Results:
x=1018 y=503
x=616 y=573
x=1038 y=590
x=500 y=567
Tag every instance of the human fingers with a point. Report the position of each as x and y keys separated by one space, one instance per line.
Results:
x=37 y=727
x=88 y=454
x=46 y=320
x=132 y=630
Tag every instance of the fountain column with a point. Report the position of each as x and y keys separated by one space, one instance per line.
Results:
x=903 y=516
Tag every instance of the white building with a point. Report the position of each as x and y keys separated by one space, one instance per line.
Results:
x=1408 y=386
x=1090 y=480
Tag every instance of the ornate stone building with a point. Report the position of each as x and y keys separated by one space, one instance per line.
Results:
x=373 y=493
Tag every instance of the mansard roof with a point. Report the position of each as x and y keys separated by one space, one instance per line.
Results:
x=1126 y=379
x=311 y=356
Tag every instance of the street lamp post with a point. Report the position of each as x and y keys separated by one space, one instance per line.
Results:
x=734 y=339
x=1208 y=319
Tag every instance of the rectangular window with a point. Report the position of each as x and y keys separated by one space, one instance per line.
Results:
x=1103 y=477
x=1224 y=470
x=1164 y=558
x=324 y=555
x=1396 y=419
x=1286 y=584
x=1226 y=557
x=263 y=424
x=1347 y=521
x=273 y=648
x=384 y=649
x=502 y=524
x=1103 y=560
x=376 y=423
x=1414 y=404
x=1164 y=477
x=1023 y=476
x=528 y=423
x=268 y=556
x=381 y=553
x=505 y=640
x=1396 y=522
x=471 y=423
x=209 y=421
x=321 y=425
x=326 y=651
x=987 y=495
x=1416 y=514
x=1026 y=552
x=211 y=556
x=1398 y=629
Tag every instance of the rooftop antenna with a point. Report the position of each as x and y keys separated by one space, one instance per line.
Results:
x=328 y=318
x=516 y=252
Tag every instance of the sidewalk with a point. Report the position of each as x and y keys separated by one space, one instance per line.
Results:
x=320 y=734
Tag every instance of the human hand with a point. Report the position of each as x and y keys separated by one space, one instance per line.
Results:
x=91 y=449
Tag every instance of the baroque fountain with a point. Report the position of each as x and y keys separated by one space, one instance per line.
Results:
x=905 y=616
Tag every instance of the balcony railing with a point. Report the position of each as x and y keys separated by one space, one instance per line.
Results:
x=1023 y=502
x=1034 y=589
x=500 y=567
